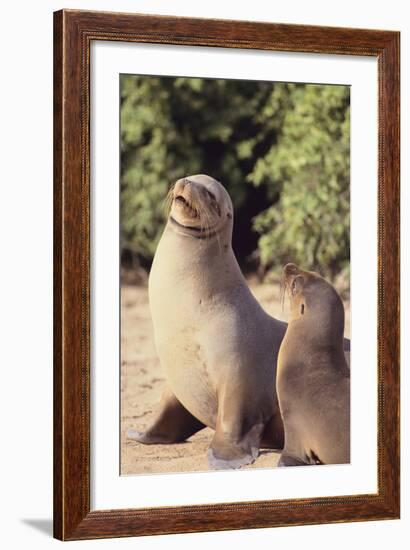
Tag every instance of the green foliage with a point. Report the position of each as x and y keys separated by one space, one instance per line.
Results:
x=310 y=224
x=282 y=151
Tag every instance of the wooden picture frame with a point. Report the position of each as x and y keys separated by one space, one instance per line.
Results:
x=73 y=33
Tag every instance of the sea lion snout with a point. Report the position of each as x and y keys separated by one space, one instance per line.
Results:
x=191 y=191
x=186 y=199
x=183 y=188
x=199 y=207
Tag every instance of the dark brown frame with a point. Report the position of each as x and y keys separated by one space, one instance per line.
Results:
x=73 y=33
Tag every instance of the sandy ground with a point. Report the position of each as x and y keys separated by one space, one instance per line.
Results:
x=142 y=383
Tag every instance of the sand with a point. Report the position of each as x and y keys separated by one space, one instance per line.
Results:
x=142 y=383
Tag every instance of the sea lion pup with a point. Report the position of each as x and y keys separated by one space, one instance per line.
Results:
x=217 y=346
x=313 y=378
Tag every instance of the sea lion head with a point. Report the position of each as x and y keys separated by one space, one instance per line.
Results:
x=313 y=300
x=200 y=207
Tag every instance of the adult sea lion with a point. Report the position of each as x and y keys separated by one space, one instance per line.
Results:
x=313 y=378
x=216 y=344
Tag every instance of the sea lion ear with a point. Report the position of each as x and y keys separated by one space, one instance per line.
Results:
x=297 y=285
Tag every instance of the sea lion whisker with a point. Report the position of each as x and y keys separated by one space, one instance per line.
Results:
x=219 y=243
x=283 y=289
x=168 y=200
x=206 y=219
x=209 y=227
x=199 y=215
x=206 y=211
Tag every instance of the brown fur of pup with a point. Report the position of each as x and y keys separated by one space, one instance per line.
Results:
x=313 y=378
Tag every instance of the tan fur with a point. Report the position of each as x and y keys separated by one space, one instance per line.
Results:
x=217 y=346
x=313 y=378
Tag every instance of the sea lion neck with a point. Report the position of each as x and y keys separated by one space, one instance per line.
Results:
x=193 y=264
x=313 y=337
x=212 y=243
x=191 y=232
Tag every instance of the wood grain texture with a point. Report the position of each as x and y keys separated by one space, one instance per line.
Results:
x=57 y=290
x=73 y=32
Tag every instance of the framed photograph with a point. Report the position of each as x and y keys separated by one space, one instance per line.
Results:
x=226 y=275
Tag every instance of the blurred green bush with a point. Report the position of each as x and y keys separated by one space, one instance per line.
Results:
x=281 y=150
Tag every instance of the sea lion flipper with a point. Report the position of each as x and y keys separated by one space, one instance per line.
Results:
x=173 y=423
x=228 y=451
x=289 y=460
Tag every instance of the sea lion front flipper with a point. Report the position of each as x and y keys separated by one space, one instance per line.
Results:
x=289 y=460
x=173 y=423
x=237 y=439
x=229 y=452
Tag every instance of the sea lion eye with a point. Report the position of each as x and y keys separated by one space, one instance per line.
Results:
x=302 y=309
x=293 y=287
x=214 y=203
x=211 y=195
